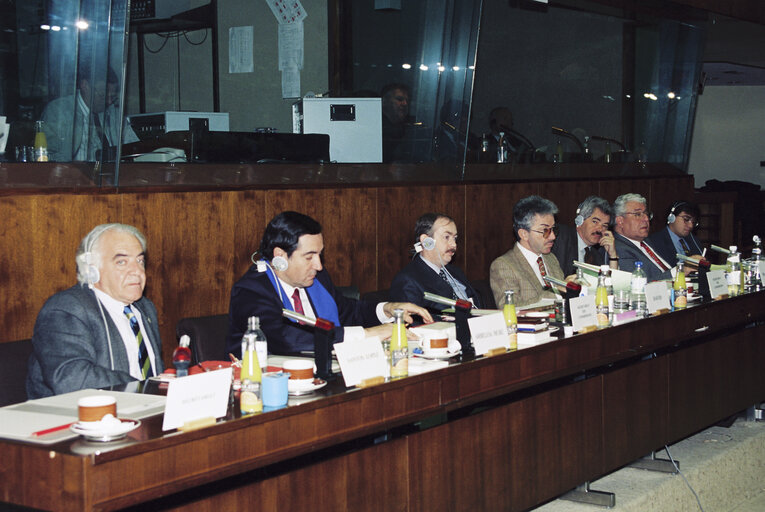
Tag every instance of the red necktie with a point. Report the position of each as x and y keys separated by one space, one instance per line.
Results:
x=589 y=255
x=653 y=256
x=541 y=267
x=297 y=302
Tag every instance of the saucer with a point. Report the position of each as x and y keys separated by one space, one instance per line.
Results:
x=109 y=434
x=304 y=390
x=440 y=356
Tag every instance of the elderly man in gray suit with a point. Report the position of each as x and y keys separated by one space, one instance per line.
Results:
x=102 y=331
x=522 y=268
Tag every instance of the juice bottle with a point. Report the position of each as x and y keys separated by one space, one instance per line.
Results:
x=399 y=348
x=511 y=319
x=680 y=288
x=41 y=143
x=601 y=302
x=249 y=399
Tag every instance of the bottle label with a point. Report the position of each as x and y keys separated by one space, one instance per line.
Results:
x=602 y=316
x=638 y=284
x=249 y=402
x=399 y=363
x=512 y=334
x=681 y=298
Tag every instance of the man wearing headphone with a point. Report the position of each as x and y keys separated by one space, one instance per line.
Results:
x=522 y=268
x=677 y=236
x=431 y=269
x=102 y=331
x=291 y=276
x=591 y=242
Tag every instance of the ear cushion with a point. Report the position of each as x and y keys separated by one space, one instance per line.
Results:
x=429 y=244
x=578 y=220
x=280 y=263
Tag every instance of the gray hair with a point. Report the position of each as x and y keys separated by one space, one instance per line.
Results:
x=620 y=205
x=588 y=206
x=88 y=252
x=525 y=210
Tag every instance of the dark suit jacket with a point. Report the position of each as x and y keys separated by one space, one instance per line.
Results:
x=417 y=277
x=566 y=249
x=71 y=346
x=254 y=295
x=629 y=254
x=662 y=244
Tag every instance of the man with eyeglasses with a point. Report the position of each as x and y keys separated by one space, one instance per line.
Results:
x=522 y=268
x=591 y=241
x=632 y=221
x=677 y=237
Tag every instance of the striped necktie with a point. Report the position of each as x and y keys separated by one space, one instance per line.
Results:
x=653 y=256
x=143 y=353
x=442 y=273
x=543 y=272
x=686 y=250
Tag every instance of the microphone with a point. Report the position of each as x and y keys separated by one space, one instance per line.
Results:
x=568 y=135
x=465 y=305
x=608 y=139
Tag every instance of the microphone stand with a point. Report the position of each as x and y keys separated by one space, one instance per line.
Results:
x=572 y=290
x=704 y=267
x=461 y=314
x=323 y=340
x=568 y=135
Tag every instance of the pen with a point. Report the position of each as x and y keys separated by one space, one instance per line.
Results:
x=51 y=430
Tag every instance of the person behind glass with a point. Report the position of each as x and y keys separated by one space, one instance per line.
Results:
x=102 y=331
x=501 y=121
x=590 y=241
x=395 y=116
x=632 y=222
x=77 y=127
x=431 y=269
x=677 y=236
x=291 y=276
x=522 y=268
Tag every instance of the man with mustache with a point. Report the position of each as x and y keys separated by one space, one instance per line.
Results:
x=102 y=331
x=291 y=276
x=632 y=221
x=591 y=241
x=431 y=269
x=523 y=267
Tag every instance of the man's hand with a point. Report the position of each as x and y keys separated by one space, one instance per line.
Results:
x=409 y=310
x=607 y=242
x=385 y=331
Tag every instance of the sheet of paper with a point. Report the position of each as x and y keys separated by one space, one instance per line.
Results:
x=656 y=296
x=361 y=360
x=717 y=283
x=240 y=53
x=287 y=11
x=488 y=332
x=197 y=396
x=291 y=46
x=583 y=312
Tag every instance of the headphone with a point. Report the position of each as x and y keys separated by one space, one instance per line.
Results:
x=428 y=244
x=672 y=217
x=280 y=263
x=579 y=219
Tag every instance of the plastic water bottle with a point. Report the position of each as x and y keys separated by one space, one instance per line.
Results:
x=637 y=290
x=503 y=149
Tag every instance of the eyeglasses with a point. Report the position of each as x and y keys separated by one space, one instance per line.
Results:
x=688 y=220
x=641 y=214
x=545 y=232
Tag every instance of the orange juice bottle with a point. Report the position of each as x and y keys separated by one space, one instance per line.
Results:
x=399 y=348
x=41 y=143
x=249 y=397
x=681 y=289
x=601 y=302
x=511 y=319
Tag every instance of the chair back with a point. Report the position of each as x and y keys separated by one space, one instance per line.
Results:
x=376 y=296
x=483 y=288
x=208 y=337
x=14 y=358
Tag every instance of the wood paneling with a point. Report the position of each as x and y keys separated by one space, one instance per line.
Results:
x=200 y=242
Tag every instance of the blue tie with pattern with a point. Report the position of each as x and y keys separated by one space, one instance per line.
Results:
x=143 y=353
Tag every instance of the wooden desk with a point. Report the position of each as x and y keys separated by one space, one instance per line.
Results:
x=500 y=433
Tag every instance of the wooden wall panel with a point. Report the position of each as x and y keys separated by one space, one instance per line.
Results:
x=347 y=217
x=399 y=208
x=489 y=223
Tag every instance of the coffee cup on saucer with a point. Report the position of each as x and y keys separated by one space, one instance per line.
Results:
x=92 y=409
x=435 y=344
x=301 y=374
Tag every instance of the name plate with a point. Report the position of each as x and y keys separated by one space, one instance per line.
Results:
x=717 y=283
x=204 y=395
x=583 y=312
x=488 y=332
x=656 y=297
x=361 y=360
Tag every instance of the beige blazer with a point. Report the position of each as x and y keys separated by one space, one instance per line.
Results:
x=511 y=271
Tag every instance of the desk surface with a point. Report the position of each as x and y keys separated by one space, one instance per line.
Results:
x=78 y=475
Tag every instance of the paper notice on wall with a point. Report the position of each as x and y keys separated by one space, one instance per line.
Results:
x=291 y=83
x=240 y=50
x=291 y=48
x=287 y=11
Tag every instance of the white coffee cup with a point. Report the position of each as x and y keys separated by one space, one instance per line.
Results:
x=92 y=409
x=301 y=373
x=434 y=344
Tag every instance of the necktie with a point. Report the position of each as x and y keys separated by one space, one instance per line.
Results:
x=297 y=303
x=653 y=256
x=143 y=353
x=442 y=273
x=686 y=250
x=543 y=272
x=589 y=255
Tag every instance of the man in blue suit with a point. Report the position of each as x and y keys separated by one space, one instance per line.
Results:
x=677 y=236
x=101 y=332
x=632 y=221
